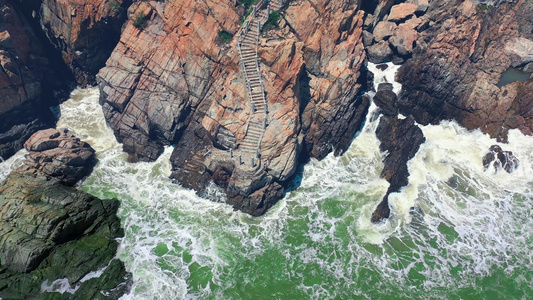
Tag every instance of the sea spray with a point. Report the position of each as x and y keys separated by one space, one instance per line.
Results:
x=471 y=238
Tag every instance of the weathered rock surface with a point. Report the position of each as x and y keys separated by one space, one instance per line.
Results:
x=51 y=231
x=400 y=29
x=58 y=154
x=458 y=62
x=176 y=83
x=83 y=31
x=402 y=11
x=500 y=159
x=28 y=83
x=403 y=39
x=380 y=52
x=386 y=100
x=401 y=138
x=384 y=30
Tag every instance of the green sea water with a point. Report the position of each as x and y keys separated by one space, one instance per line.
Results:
x=473 y=239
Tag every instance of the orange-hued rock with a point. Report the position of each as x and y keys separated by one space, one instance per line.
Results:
x=403 y=39
x=177 y=82
x=401 y=11
x=84 y=31
x=383 y=30
x=458 y=62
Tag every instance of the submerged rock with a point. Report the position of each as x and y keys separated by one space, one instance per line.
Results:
x=51 y=231
x=500 y=159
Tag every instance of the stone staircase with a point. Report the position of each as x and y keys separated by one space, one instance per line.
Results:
x=247 y=44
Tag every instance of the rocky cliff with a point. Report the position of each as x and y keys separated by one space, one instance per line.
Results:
x=50 y=231
x=84 y=32
x=172 y=80
x=459 y=61
x=46 y=47
x=29 y=81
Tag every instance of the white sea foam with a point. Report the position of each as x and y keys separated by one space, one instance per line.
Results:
x=474 y=221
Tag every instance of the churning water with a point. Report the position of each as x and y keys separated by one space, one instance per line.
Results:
x=473 y=239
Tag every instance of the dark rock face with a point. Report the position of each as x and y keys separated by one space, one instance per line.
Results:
x=458 y=62
x=401 y=138
x=83 y=31
x=58 y=154
x=500 y=159
x=386 y=99
x=49 y=230
x=28 y=83
x=167 y=84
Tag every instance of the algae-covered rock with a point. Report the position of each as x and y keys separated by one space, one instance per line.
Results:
x=57 y=242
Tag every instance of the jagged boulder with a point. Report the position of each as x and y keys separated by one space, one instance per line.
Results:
x=58 y=154
x=401 y=138
x=386 y=100
x=380 y=52
x=500 y=159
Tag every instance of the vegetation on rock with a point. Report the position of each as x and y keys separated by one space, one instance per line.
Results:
x=140 y=20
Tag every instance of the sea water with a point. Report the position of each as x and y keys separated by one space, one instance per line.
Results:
x=469 y=238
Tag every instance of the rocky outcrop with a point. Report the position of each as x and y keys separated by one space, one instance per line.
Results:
x=176 y=82
x=401 y=138
x=395 y=35
x=83 y=31
x=58 y=154
x=28 y=83
x=458 y=62
x=51 y=231
x=500 y=159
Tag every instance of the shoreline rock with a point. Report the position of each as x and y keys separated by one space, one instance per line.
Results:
x=30 y=81
x=313 y=78
x=50 y=231
x=500 y=159
x=401 y=138
x=458 y=62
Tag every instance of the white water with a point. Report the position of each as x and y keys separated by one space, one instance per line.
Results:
x=178 y=245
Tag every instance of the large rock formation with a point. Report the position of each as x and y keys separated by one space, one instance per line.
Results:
x=58 y=154
x=51 y=231
x=459 y=60
x=83 y=31
x=28 y=83
x=401 y=138
x=172 y=80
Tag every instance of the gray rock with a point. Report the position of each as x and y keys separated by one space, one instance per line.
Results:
x=401 y=139
x=58 y=154
x=500 y=159
x=385 y=86
x=368 y=38
x=380 y=52
x=386 y=100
